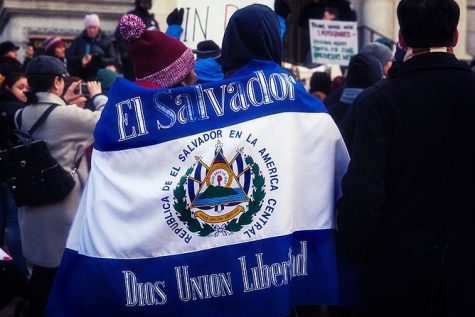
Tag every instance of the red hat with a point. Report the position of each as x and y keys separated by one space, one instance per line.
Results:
x=157 y=58
x=51 y=43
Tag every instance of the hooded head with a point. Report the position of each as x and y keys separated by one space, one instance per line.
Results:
x=252 y=32
x=364 y=71
x=143 y=5
x=378 y=50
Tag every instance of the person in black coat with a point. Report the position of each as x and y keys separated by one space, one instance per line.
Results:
x=407 y=214
x=364 y=71
x=339 y=10
x=90 y=51
x=12 y=98
x=8 y=58
x=13 y=279
x=316 y=10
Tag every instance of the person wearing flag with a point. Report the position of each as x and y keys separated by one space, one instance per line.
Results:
x=214 y=199
x=407 y=214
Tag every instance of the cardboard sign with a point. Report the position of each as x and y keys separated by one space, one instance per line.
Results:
x=333 y=42
x=207 y=19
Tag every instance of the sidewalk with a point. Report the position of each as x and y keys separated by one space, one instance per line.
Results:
x=10 y=309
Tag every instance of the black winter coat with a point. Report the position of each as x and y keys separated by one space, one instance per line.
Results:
x=102 y=50
x=407 y=214
x=8 y=106
x=9 y=65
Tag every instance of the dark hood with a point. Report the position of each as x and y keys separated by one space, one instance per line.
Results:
x=8 y=106
x=6 y=96
x=364 y=71
x=139 y=10
x=252 y=32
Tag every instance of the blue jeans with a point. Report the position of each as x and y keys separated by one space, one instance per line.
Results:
x=9 y=222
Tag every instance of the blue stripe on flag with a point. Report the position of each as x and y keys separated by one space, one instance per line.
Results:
x=88 y=286
x=135 y=116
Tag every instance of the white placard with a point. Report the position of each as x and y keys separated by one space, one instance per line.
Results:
x=333 y=42
x=207 y=19
x=4 y=256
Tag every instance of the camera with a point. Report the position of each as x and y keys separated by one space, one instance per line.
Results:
x=83 y=89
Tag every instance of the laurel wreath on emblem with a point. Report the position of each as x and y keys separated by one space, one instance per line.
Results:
x=203 y=229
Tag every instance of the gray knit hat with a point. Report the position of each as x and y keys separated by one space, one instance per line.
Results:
x=378 y=50
x=45 y=65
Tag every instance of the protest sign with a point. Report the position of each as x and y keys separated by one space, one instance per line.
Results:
x=333 y=42
x=207 y=19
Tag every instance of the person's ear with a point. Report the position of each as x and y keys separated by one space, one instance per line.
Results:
x=402 y=42
x=57 y=85
x=190 y=79
x=57 y=82
x=456 y=38
x=186 y=80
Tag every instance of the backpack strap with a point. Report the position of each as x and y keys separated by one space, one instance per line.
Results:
x=41 y=119
x=19 y=119
x=76 y=165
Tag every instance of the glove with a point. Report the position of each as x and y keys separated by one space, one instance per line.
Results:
x=282 y=8
x=176 y=17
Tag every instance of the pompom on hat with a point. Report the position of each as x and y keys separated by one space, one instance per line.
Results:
x=157 y=58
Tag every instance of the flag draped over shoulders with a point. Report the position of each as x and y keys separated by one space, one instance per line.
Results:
x=215 y=199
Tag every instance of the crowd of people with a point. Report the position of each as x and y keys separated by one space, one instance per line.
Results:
x=405 y=219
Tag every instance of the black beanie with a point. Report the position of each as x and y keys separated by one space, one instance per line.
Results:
x=364 y=70
x=207 y=49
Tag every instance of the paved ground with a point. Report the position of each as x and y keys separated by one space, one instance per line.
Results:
x=8 y=311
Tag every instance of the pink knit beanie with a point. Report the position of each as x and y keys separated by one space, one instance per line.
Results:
x=157 y=58
x=51 y=43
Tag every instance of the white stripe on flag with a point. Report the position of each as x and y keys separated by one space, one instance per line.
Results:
x=123 y=210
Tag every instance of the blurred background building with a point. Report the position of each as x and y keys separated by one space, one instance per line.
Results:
x=31 y=21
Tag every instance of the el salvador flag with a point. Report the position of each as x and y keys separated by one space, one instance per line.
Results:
x=209 y=200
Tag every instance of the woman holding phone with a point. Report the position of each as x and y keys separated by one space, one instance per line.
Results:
x=68 y=131
x=90 y=51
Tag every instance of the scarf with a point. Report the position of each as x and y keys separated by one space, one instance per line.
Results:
x=411 y=52
x=349 y=95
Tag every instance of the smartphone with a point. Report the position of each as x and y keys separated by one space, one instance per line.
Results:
x=83 y=89
x=88 y=49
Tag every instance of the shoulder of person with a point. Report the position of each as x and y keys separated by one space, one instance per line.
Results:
x=104 y=39
x=82 y=36
x=372 y=94
x=71 y=112
x=76 y=118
